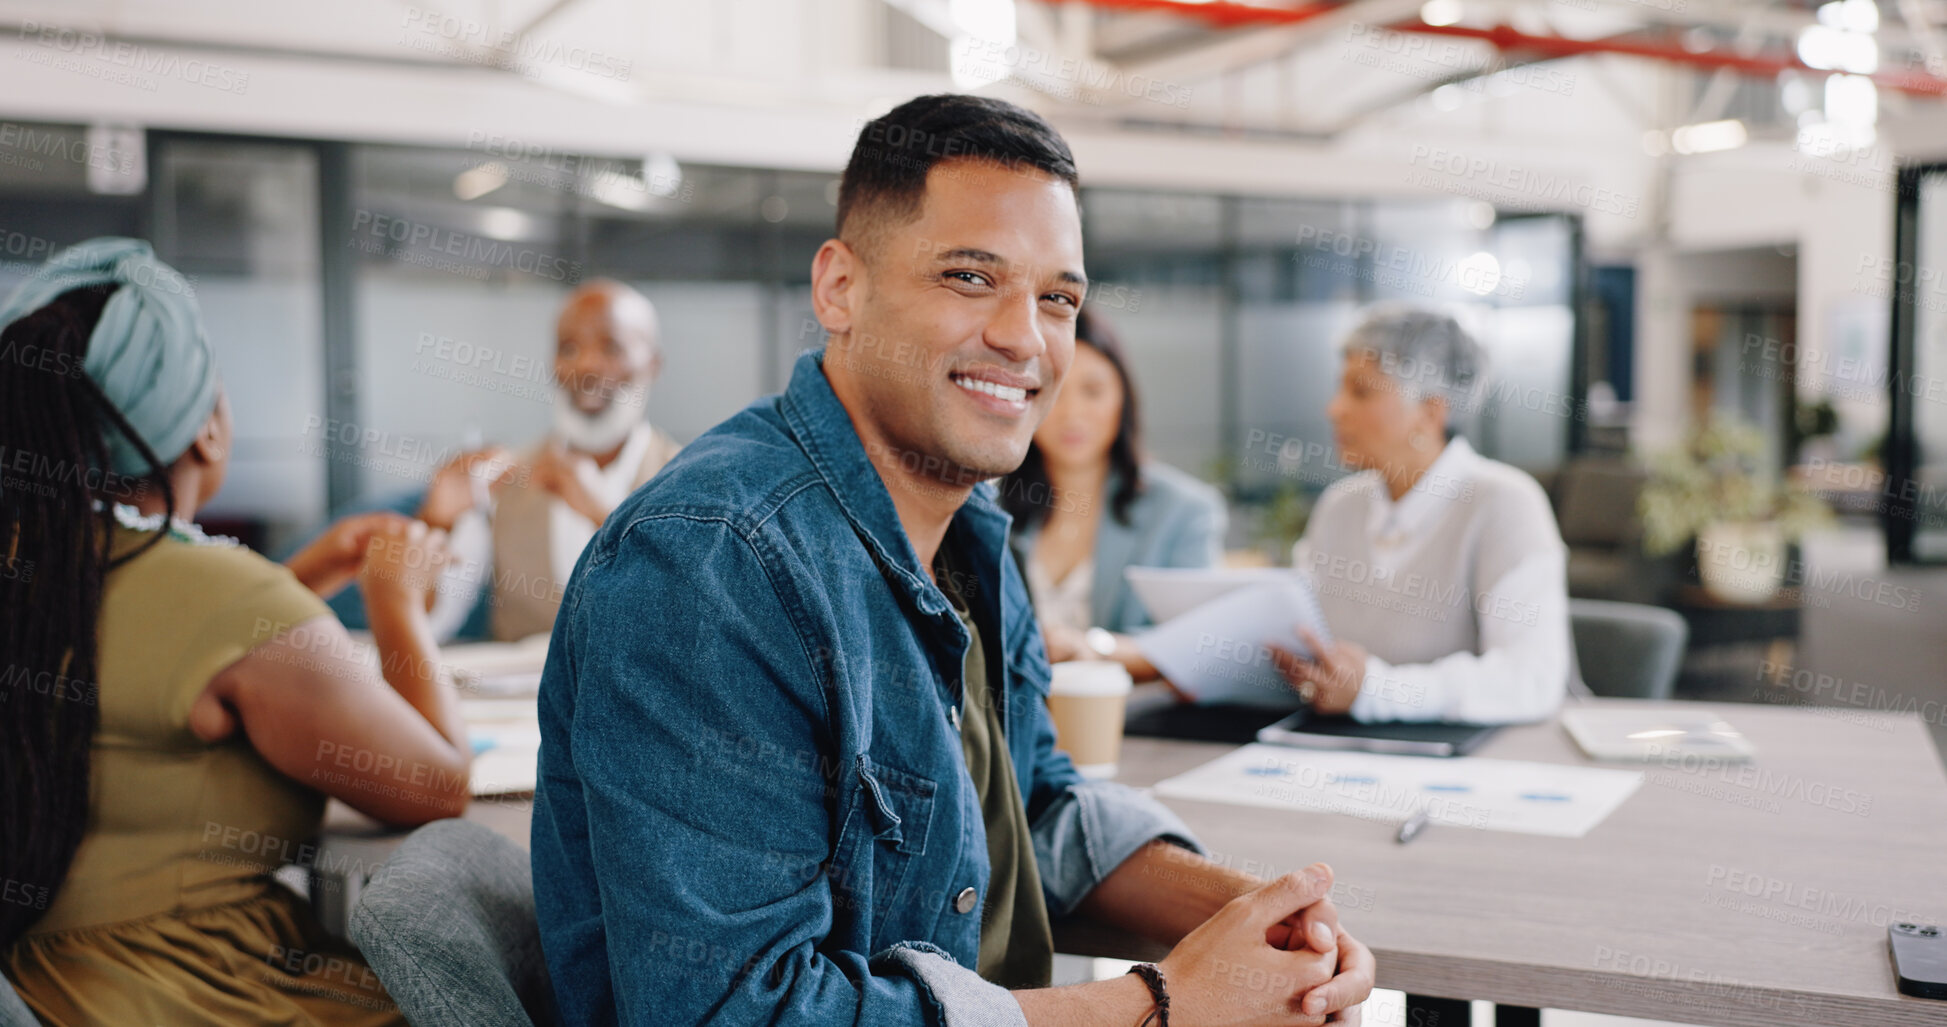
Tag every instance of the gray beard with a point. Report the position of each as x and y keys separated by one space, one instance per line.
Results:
x=600 y=432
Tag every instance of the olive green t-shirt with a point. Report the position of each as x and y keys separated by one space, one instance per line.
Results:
x=1016 y=944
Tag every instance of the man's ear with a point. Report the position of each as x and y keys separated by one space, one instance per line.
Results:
x=837 y=275
x=206 y=447
x=1435 y=409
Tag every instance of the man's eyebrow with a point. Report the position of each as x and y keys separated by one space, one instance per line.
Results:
x=968 y=253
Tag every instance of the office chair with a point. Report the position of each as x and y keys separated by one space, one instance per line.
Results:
x=448 y=925
x=1627 y=650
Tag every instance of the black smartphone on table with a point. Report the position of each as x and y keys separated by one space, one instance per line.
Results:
x=1919 y=959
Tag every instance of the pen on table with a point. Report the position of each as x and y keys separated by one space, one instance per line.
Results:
x=1412 y=828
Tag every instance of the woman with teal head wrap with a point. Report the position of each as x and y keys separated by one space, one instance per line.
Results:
x=148 y=354
x=225 y=682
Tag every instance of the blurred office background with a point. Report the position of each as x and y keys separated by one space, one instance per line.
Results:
x=1651 y=212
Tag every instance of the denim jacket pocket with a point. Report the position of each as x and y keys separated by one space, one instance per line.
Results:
x=895 y=809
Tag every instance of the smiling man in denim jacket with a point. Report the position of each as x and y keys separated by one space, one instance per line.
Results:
x=796 y=766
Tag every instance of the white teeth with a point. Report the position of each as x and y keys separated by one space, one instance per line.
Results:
x=1011 y=393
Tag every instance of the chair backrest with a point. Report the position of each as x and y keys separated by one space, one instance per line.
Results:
x=1627 y=650
x=448 y=925
x=1596 y=502
x=14 y=1012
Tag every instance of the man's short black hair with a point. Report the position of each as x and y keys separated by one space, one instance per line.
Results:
x=886 y=177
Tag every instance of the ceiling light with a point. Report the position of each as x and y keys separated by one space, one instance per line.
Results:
x=1851 y=100
x=621 y=189
x=1818 y=47
x=1850 y=15
x=984 y=19
x=505 y=223
x=1858 y=53
x=1479 y=274
x=1828 y=48
x=663 y=175
x=1709 y=137
x=1441 y=12
x=1862 y=15
x=118 y=160
x=474 y=183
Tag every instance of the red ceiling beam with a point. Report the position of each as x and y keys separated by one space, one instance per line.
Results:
x=1221 y=14
x=1509 y=40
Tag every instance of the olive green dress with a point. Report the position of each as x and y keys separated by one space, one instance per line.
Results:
x=169 y=914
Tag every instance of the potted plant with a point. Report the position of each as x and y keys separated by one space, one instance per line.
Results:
x=1817 y=429
x=1714 y=489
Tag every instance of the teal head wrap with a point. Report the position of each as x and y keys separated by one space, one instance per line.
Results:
x=148 y=352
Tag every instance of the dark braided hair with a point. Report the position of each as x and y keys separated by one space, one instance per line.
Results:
x=58 y=551
x=1027 y=493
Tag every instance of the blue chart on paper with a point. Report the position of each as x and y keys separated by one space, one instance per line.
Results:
x=1564 y=801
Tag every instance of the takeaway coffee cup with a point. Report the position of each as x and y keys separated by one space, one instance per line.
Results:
x=1086 y=700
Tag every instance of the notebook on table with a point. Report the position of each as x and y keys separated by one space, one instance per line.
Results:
x=1241 y=724
x=1631 y=735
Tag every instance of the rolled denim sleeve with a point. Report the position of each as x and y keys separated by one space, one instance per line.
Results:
x=959 y=996
x=1087 y=832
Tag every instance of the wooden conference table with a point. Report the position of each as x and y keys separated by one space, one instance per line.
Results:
x=1753 y=895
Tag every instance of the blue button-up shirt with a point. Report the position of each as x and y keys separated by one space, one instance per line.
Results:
x=753 y=804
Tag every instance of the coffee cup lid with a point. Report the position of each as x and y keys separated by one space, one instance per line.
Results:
x=1090 y=677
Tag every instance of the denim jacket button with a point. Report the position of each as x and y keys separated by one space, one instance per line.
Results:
x=964 y=902
x=953 y=717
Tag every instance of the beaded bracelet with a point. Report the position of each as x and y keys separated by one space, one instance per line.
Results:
x=1152 y=976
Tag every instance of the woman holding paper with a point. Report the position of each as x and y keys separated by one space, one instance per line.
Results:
x=1087 y=506
x=1441 y=572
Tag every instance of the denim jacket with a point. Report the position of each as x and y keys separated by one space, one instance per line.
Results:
x=753 y=806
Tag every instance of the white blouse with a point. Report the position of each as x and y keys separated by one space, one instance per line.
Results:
x=1458 y=591
x=1066 y=601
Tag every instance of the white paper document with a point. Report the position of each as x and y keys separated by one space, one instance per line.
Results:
x=1170 y=592
x=1496 y=795
x=506 y=739
x=497 y=668
x=1219 y=651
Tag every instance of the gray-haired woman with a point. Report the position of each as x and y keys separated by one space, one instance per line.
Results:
x=1441 y=572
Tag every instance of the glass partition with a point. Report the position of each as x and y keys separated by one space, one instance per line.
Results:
x=452 y=264
x=1913 y=496
x=240 y=219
